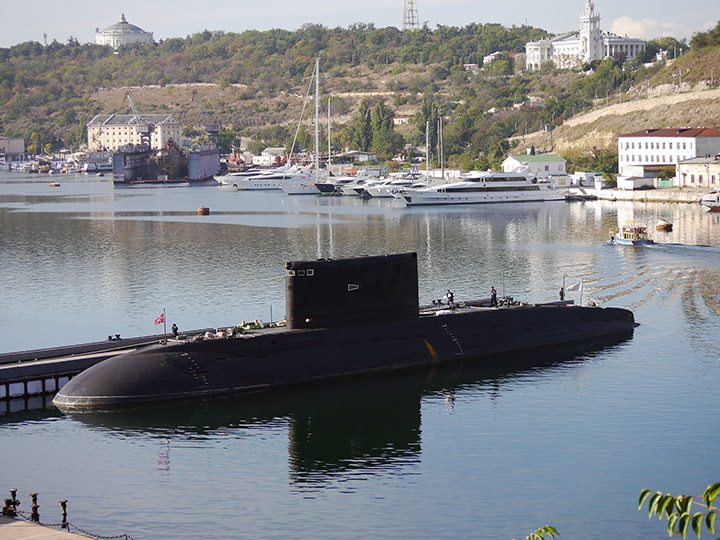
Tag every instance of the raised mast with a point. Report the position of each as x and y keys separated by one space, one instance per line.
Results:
x=317 y=119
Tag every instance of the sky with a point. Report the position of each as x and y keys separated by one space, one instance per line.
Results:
x=646 y=19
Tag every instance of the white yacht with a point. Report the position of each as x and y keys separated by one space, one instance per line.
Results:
x=357 y=185
x=389 y=188
x=484 y=187
x=270 y=179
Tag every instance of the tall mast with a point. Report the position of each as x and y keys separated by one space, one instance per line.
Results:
x=329 y=147
x=427 y=152
x=317 y=119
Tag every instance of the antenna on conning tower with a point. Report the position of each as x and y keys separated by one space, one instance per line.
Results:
x=410 y=16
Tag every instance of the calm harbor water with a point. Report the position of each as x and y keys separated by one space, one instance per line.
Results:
x=567 y=439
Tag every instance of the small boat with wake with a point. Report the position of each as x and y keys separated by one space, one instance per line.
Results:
x=630 y=235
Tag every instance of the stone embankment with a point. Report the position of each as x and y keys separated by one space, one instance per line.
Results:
x=675 y=195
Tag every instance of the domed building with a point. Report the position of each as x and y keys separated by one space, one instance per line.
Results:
x=122 y=33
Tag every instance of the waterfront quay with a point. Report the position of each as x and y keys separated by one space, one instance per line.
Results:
x=674 y=194
x=19 y=529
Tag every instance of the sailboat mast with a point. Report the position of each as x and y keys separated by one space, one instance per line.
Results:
x=329 y=147
x=427 y=153
x=317 y=119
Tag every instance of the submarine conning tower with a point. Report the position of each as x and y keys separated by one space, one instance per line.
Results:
x=329 y=293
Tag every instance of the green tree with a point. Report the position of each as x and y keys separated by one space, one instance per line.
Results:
x=678 y=510
x=34 y=146
x=362 y=128
x=706 y=39
x=226 y=140
x=541 y=532
x=382 y=118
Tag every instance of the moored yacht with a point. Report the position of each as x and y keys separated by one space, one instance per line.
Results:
x=484 y=187
x=711 y=201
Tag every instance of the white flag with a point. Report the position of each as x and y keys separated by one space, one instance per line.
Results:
x=576 y=286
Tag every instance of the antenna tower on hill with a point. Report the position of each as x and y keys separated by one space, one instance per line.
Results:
x=410 y=16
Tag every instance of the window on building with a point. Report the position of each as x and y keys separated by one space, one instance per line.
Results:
x=712 y=179
x=700 y=179
x=663 y=146
x=670 y=146
x=692 y=178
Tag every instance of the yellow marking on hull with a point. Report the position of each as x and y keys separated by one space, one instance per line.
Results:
x=434 y=355
x=431 y=349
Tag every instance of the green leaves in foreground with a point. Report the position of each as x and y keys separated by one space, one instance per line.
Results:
x=539 y=534
x=678 y=510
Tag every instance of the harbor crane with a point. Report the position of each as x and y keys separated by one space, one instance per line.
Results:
x=211 y=129
x=142 y=128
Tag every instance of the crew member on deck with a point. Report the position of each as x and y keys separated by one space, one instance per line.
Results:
x=175 y=330
x=493 y=297
x=450 y=298
x=562 y=294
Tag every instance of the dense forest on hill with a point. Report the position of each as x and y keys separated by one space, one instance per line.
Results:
x=251 y=82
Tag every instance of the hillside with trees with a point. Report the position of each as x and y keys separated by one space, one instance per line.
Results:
x=255 y=84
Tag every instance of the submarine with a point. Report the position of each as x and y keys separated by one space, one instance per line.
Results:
x=343 y=318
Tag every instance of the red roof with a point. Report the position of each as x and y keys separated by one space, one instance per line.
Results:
x=673 y=132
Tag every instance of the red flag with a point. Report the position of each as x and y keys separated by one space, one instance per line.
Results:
x=160 y=319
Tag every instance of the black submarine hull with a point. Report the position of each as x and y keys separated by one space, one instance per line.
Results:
x=275 y=357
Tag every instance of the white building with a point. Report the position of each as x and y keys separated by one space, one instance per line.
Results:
x=645 y=153
x=111 y=131
x=541 y=165
x=270 y=156
x=122 y=33
x=575 y=48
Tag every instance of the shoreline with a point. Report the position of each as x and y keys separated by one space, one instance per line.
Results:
x=673 y=195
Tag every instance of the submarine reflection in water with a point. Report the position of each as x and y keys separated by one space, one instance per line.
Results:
x=345 y=317
x=339 y=428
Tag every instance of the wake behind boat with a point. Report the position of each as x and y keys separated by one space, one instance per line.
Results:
x=484 y=187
